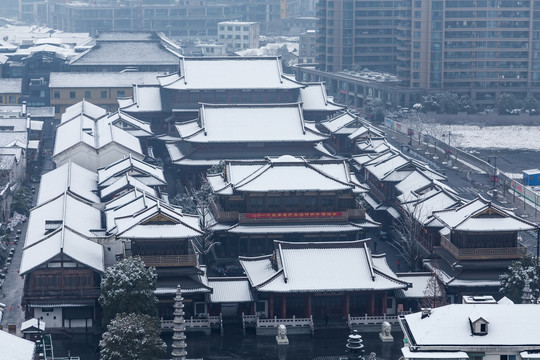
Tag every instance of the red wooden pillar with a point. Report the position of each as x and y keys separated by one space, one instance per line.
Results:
x=382 y=303
x=371 y=306
x=307 y=305
x=283 y=311
x=346 y=305
x=271 y=306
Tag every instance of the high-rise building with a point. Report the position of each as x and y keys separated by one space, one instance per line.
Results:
x=357 y=34
x=479 y=47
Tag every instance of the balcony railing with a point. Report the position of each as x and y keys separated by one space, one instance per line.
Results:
x=483 y=253
x=63 y=293
x=170 y=260
x=222 y=215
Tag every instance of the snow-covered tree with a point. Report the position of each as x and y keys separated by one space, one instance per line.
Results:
x=513 y=281
x=197 y=202
x=506 y=103
x=132 y=337
x=128 y=287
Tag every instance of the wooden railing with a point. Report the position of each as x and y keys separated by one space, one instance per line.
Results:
x=170 y=260
x=63 y=293
x=483 y=253
x=221 y=215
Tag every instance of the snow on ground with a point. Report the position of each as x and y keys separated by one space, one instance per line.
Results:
x=515 y=137
x=270 y=49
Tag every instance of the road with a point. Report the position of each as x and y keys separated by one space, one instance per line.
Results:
x=12 y=290
x=470 y=183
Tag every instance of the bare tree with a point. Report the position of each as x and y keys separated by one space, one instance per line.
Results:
x=409 y=230
x=419 y=122
x=434 y=293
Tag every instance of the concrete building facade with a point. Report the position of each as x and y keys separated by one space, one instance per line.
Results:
x=481 y=48
x=239 y=35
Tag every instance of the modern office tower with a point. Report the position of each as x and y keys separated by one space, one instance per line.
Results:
x=357 y=34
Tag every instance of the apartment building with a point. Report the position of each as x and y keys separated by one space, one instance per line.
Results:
x=482 y=48
x=308 y=47
x=357 y=35
x=236 y=35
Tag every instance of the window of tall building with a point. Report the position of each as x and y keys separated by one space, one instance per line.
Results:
x=104 y=94
x=56 y=94
x=72 y=95
x=87 y=94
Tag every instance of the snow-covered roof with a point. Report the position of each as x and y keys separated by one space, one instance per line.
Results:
x=319 y=267
x=513 y=327
x=452 y=355
x=16 y=348
x=64 y=210
x=127 y=53
x=68 y=177
x=94 y=134
x=10 y=85
x=377 y=145
x=129 y=123
x=285 y=173
x=480 y=215
x=145 y=99
x=249 y=124
x=135 y=168
x=15 y=151
x=83 y=108
x=422 y=209
x=314 y=98
x=124 y=183
x=294 y=229
x=13 y=124
x=33 y=323
x=230 y=290
x=63 y=242
x=414 y=181
x=384 y=168
x=229 y=73
x=186 y=154
x=148 y=223
x=102 y=79
x=14 y=139
x=344 y=120
x=419 y=281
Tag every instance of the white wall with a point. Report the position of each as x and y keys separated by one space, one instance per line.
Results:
x=52 y=319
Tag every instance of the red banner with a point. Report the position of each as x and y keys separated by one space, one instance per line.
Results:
x=282 y=215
